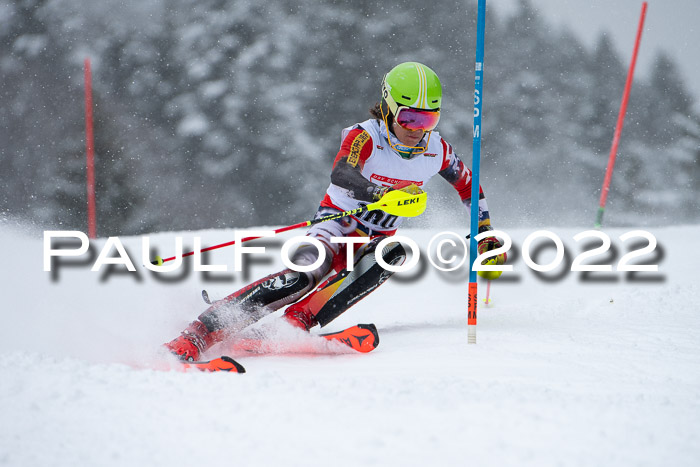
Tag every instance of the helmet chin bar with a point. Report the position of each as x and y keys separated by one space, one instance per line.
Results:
x=415 y=150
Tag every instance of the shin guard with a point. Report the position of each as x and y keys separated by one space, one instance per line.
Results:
x=253 y=302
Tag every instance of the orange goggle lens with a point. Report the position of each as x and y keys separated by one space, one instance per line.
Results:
x=416 y=119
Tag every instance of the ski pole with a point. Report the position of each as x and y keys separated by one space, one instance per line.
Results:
x=488 y=292
x=396 y=202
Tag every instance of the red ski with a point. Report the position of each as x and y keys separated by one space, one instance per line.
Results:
x=363 y=337
x=222 y=363
x=360 y=338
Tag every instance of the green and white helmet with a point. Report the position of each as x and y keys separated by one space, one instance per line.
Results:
x=412 y=84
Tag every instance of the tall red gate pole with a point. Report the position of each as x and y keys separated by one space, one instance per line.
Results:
x=620 y=122
x=90 y=151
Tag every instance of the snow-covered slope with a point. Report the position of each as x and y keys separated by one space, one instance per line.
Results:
x=566 y=371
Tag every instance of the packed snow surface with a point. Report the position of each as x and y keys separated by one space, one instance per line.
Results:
x=569 y=369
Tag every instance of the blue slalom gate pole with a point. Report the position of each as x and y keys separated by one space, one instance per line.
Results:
x=476 y=167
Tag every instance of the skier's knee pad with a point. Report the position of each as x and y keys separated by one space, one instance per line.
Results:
x=308 y=254
x=348 y=287
x=393 y=253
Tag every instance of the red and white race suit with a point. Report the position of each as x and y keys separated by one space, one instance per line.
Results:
x=366 y=162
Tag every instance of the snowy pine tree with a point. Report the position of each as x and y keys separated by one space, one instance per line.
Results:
x=229 y=112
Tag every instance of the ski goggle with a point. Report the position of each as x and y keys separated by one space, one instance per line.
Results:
x=417 y=119
x=407 y=152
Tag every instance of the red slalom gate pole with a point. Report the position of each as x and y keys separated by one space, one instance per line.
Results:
x=90 y=152
x=620 y=121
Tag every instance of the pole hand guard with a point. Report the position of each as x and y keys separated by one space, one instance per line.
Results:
x=401 y=203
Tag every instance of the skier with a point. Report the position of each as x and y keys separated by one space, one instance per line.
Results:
x=396 y=149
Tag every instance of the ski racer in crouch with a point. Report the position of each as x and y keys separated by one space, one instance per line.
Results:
x=396 y=149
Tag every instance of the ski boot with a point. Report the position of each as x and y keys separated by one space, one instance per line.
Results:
x=300 y=316
x=189 y=345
